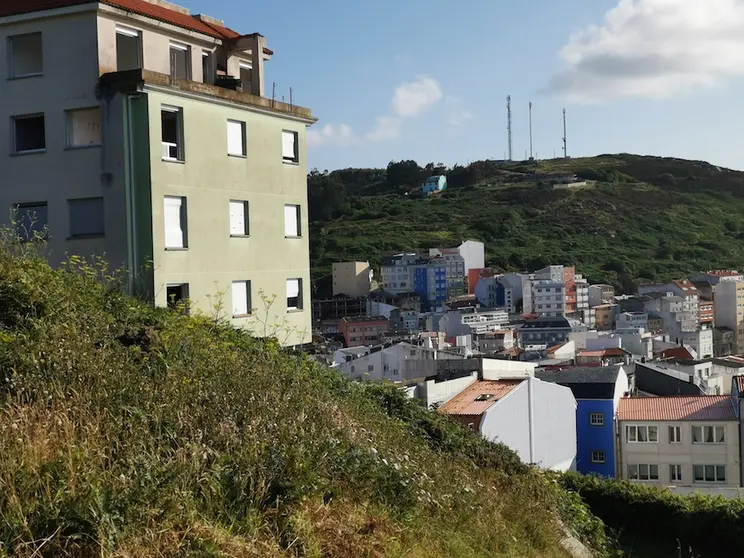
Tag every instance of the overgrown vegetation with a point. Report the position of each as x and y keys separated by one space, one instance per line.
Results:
x=129 y=431
x=640 y=219
x=651 y=519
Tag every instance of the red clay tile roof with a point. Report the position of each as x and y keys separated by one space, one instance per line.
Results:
x=676 y=352
x=465 y=403
x=602 y=353
x=140 y=7
x=702 y=407
x=686 y=286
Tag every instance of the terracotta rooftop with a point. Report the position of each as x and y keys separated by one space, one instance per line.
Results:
x=686 y=286
x=702 y=407
x=140 y=7
x=602 y=353
x=475 y=400
x=676 y=352
x=554 y=348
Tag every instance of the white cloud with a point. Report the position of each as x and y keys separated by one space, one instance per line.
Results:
x=413 y=98
x=409 y=100
x=654 y=49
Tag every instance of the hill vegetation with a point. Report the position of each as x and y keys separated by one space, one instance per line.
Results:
x=130 y=431
x=638 y=219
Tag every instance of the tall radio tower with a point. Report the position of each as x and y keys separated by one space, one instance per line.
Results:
x=509 y=124
x=531 y=157
x=565 y=148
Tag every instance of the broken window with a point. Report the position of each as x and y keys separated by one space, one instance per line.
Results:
x=172 y=133
x=128 y=49
x=180 y=61
x=84 y=127
x=28 y=133
x=178 y=296
x=26 y=57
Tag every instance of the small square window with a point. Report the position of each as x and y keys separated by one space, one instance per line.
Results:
x=598 y=456
x=236 y=141
x=241 y=298
x=290 y=153
x=174 y=217
x=31 y=221
x=292 y=224
x=86 y=217
x=84 y=127
x=294 y=294
x=172 y=134
x=596 y=419
x=178 y=296
x=239 y=223
x=180 y=61
x=29 y=135
x=26 y=55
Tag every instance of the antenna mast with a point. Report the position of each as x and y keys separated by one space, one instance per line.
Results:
x=531 y=157
x=509 y=124
x=565 y=149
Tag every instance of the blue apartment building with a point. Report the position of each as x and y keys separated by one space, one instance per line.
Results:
x=597 y=390
x=423 y=275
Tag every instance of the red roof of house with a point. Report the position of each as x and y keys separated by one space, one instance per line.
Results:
x=602 y=353
x=701 y=407
x=141 y=7
x=466 y=403
x=686 y=286
x=676 y=352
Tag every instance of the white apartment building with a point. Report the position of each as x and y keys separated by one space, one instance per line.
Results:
x=729 y=309
x=679 y=441
x=548 y=298
x=141 y=132
x=631 y=322
x=472 y=322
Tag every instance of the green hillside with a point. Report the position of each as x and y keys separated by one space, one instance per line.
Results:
x=129 y=431
x=638 y=219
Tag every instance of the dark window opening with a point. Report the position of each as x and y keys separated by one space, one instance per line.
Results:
x=29 y=133
x=178 y=296
x=128 y=51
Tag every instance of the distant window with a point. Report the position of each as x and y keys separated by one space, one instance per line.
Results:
x=290 y=152
x=675 y=434
x=128 y=49
x=294 y=294
x=236 y=138
x=371 y=368
x=31 y=221
x=172 y=133
x=246 y=76
x=241 y=298
x=84 y=127
x=209 y=71
x=180 y=61
x=598 y=456
x=86 y=217
x=29 y=135
x=292 y=228
x=178 y=296
x=709 y=473
x=596 y=419
x=643 y=472
x=239 y=218
x=175 y=222
x=642 y=434
x=675 y=473
x=25 y=55
x=708 y=434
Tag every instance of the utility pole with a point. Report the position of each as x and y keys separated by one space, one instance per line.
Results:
x=509 y=124
x=531 y=157
x=565 y=147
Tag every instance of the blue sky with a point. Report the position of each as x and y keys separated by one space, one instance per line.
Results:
x=426 y=80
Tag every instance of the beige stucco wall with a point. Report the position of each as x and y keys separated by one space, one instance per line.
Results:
x=68 y=82
x=209 y=179
x=351 y=278
x=685 y=453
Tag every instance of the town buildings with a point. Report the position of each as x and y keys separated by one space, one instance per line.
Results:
x=729 y=309
x=425 y=275
x=352 y=279
x=363 y=330
x=176 y=165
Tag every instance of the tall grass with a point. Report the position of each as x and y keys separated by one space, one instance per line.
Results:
x=131 y=431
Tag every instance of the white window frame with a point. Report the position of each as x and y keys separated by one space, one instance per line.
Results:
x=675 y=473
x=299 y=305
x=636 y=472
x=235 y=229
x=292 y=223
x=295 y=156
x=182 y=222
x=241 y=289
x=233 y=150
x=598 y=457
x=14 y=139
x=167 y=146
x=675 y=434
x=69 y=116
x=715 y=474
x=11 y=56
x=596 y=419
x=704 y=430
x=635 y=429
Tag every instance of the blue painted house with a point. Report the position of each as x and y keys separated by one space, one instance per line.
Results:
x=435 y=184
x=598 y=390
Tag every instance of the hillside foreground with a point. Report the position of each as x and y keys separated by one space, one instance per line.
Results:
x=129 y=431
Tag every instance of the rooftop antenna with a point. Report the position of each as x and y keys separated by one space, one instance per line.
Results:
x=509 y=124
x=565 y=149
x=531 y=157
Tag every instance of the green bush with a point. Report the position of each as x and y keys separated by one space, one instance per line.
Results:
x=712 y=526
